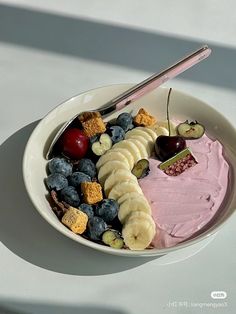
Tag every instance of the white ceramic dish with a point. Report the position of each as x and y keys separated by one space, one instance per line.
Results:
x=182 y=107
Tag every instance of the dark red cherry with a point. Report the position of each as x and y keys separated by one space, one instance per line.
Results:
x=168 y=146
x=74 y=143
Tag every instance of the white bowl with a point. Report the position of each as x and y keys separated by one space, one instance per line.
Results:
x=182 y=106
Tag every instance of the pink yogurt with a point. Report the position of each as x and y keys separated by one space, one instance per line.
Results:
x=183 y=205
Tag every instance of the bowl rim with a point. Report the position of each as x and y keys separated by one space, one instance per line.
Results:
x=99 y=247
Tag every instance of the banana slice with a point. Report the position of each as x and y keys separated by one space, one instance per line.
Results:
x=118 y=176
x=139 y=230
x=130 y=195
x=164 y=124
x=139 y=132
x=141 y=147
x=159 y=130
x=141 y=215
x=108 y=167
x=111 y=155
x=148 y=131
x=131 y=147
x=139 y=203
x=127 y=154
x=124 y=187
x=149 y=145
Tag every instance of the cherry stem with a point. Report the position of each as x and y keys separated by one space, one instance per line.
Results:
x=168 y=102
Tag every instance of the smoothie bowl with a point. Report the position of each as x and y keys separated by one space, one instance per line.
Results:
x=125 y=194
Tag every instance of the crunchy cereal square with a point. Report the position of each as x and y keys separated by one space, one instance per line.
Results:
x=92 y=192
x=143 y=118
x=92 y=123
x=75 y=219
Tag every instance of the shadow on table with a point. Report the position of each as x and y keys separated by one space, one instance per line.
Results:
x=37 y=308
x=114 y=44
x=25 y=233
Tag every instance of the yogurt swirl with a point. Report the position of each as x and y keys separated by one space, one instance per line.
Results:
x=183 y=205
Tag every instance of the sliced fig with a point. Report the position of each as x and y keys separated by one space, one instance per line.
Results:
x=191 y=130
x=178 y=163
x=141 y=168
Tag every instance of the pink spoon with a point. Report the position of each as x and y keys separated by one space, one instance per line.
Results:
x=141 y=89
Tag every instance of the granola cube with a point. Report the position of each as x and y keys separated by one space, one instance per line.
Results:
x=143 y=118
x=92 y=123
x=75 y=219
x=92 y=192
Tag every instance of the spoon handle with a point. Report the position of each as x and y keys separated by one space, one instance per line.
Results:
x=154 y=81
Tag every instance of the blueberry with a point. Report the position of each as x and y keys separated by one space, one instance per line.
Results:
x=70 y=196
x=96 y=226
x=77 y=178
x=56 y=181
x=125 y=120
x=60 y=165
x=87 y=166
x=117 y=133
x=107 y=209
x=87 y=209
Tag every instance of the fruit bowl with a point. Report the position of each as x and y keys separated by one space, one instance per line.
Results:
x=183 y=107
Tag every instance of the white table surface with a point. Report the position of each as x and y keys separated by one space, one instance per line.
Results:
x=51 y=50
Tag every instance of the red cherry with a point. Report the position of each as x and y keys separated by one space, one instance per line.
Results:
x=168 y=146
x=74 y=143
